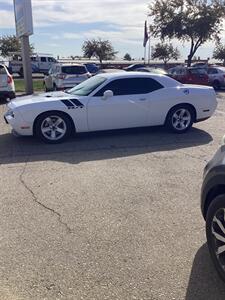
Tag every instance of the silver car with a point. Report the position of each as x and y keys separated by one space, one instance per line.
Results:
x=7 y=87
x=216 y=76
x=65 y=76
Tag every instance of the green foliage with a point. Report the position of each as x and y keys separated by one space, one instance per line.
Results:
x=127 y=57
x=10 y=43
x=101 y=49
x=196 y=21
x=219 y=53
x=165 y=52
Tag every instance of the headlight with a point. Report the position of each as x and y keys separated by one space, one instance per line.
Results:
x=9 y=113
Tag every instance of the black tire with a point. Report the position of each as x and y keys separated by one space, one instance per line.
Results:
x=45 y=88
x=214 y=209
x=216 y=85
x=55 y=87
x=189 y=113
x=21 y=72
x=66 y=126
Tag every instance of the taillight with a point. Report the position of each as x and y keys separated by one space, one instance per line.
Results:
x=61 y=76
x=9 y=79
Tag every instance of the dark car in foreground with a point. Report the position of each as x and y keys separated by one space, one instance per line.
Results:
x=213 y=208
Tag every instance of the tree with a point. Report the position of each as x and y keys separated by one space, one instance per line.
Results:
x=10 y=43
x=219 y=53
x=195 y=21
x=101 y=49
x=165 y=52
x=127 y=57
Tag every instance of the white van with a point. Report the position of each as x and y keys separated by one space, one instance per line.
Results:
x=40 y=63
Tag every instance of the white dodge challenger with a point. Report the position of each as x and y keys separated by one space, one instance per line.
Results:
x=112 y=101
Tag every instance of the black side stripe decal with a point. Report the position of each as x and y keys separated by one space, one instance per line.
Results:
x=67 y=103
x=76 y=102
x=72 y=103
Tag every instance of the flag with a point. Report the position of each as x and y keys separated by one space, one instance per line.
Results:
x=146 y=37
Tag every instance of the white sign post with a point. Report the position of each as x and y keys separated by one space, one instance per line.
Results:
x=24 y=28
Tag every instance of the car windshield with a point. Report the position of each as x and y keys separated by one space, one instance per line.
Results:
x=87 y=86
x=74 y=70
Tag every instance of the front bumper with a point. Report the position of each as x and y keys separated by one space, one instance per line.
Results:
x=17 y=123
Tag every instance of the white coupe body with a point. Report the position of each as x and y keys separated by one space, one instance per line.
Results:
x=113 y=101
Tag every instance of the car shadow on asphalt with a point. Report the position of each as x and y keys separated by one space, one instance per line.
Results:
x=99 y=145
x=204 y=283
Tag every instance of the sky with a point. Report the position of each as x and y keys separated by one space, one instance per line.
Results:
x=61 y=26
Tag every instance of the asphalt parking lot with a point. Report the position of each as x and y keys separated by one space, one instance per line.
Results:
x=111 y=215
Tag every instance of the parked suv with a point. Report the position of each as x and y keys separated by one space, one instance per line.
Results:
x=213 y=208
x=7 y=87
x=190 y=75
x=216 y=77
x=65 y=76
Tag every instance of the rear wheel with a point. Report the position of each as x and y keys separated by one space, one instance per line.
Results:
x=53 y=127
x=54 y=87
x=45 y=87
x=215 y=233
x=180 y=118
x=216 y=85
x=21 y=72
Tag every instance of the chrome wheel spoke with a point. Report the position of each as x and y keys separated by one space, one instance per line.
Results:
x=60 y=130
x=58 y=122
x=49 y=121
x=219 y=223
x=53 y=134
x=220 y=250
x=218 y=236
x=186 y=118
x=182 y=113
x=46 y=129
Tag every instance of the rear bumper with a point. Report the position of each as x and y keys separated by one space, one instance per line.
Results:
x=6 y=94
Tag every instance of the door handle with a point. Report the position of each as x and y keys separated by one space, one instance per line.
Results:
x=142 y=99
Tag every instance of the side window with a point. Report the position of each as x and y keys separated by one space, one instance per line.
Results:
x=51 y=59
x=130 y=86
x=212 y=71
x=2 y=70
x=43 y=59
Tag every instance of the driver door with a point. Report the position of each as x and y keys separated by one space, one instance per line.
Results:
x=128 y=107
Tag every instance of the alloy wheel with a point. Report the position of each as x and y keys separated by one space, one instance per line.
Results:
x=53 y=128
x=181 y=119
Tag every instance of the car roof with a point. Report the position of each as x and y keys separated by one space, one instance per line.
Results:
x=163 y=79
x=71 y=65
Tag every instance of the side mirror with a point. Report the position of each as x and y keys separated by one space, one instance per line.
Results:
x=107 y=94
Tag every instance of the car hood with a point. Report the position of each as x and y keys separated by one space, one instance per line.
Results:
x=38 y=98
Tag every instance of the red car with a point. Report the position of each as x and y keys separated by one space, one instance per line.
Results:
x=190 y=75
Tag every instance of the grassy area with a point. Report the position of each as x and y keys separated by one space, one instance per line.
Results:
x=37 y=84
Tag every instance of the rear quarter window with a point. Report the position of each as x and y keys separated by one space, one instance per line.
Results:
x=2 y=70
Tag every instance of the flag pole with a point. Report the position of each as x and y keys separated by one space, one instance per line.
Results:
x=149 y=46
x=144 y=55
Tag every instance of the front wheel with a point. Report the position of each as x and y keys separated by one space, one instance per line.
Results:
x=215 y=233
x=180 y=118
x=53 y=127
